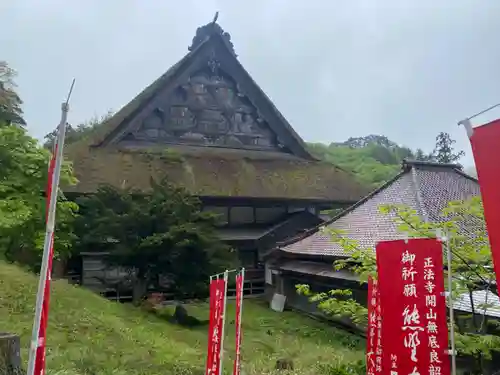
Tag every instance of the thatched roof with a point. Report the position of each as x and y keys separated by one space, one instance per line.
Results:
x=209 y=172
x=288 y=172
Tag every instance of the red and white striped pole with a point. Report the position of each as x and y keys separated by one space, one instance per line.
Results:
x=36 y=361
x=40 y=352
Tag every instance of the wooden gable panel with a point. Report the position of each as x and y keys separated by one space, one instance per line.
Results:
x=207 y=99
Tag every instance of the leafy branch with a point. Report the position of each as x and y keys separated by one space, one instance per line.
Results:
x=471 y=266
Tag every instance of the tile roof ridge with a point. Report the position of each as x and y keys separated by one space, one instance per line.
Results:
x=418 y=194
x=410 y=163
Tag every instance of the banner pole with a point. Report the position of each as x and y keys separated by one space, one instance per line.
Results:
x=34 y=344
x=209 y=361
x=445 y=240
x=221 y=353
x=238 y=365
x=242 y=288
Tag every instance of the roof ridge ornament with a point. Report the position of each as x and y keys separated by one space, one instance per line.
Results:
x=207 y=31
x=407 y=164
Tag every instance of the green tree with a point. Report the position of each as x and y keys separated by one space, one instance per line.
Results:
x=420 y=155
x=375 y=159
x=371 y=162
x=164 y=233
x=444 y=151
x=471 y=269
x=75 y=133
x=23 y=180
x=10 y=102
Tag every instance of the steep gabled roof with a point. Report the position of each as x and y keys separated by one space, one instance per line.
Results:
x=211 y=44
x=424 y=187
x=285 y=170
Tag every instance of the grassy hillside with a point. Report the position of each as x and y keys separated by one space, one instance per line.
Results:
x=373 y=159
x=89 y=335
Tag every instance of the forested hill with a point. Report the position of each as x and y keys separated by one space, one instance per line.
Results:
x=374 y=159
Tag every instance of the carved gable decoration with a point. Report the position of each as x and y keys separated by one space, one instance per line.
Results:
x=207 y=110
x=208 y=30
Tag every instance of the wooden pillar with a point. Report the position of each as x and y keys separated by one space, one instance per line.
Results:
x=10 y=356
x=58 y=269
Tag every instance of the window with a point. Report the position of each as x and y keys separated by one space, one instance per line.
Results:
x=221 y=212
x=268 y=274
x=241 y=216
x=268 y=214
x=248 y=258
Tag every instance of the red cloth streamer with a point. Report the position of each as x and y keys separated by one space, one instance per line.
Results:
x=374 y=332
x=485 y=141
x=42 y=333
x=239 y=302
x=411 y=286
x=217 y=301
x=211 y=323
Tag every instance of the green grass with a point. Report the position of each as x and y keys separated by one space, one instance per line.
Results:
x=90 y=335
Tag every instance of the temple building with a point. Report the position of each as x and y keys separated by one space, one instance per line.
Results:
x=308 y=258
x=206 y=125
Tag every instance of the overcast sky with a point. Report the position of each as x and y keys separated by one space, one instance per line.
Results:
x=336 y=69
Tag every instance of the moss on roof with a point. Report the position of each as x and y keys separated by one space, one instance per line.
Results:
x=209 y=171
x=212 y=172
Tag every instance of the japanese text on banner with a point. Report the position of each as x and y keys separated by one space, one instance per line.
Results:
x=374 y=339
x=211 y=323
x=239 y=303
x=217 y=301
x=417 y=342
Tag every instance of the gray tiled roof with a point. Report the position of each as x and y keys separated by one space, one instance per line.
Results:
x=482 y=299
x=317 y=269
x=425 y=187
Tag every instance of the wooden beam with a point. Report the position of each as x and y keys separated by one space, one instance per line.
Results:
x=10 y=357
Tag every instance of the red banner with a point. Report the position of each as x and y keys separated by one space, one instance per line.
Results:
x=484 y=141
x=216 y=325
x=374 y=331
x=411 y=286
x=211 y=324
x=42 y=333
x=239 y=306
